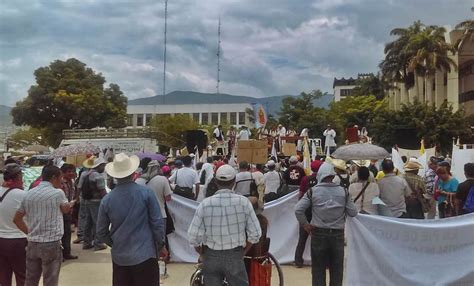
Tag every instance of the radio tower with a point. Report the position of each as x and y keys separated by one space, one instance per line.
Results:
x=218 y=55
x=164 y=52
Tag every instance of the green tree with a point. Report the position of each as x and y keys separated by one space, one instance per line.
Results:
x=68 y=94
x=25 y=137
x=435 y=126
x=468 y=35
x=371 y=85
x=171 y=131
x=298 y=112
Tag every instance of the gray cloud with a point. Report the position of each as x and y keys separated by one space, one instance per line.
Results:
x=268 y=47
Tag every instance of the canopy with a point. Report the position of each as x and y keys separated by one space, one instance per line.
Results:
x=360 y=151
x=75 y=149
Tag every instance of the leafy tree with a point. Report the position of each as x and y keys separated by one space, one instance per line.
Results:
x=171 y=131
x=299 y=112
x=68 y=94
x=371 y=85
x=250 y=114
x=435 y=126
x=468 y=27
x=25 y=137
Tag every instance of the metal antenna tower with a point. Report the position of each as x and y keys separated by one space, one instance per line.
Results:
x=164 y=52
x=218 y=55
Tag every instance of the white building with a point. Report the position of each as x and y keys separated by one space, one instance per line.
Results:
x=343 y=87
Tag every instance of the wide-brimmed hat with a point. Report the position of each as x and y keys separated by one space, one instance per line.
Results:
x=337 y=163
x=122 y=166
x=93 y=162
x=362 y=163
x=412 y=166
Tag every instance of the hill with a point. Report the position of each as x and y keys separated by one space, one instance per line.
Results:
x=272 y=103
x=5 y=117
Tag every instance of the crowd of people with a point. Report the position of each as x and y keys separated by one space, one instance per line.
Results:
x=134 y=221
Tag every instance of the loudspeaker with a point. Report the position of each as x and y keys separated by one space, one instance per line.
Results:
x=196 y=137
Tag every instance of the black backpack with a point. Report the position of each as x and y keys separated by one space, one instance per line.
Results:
x=88 y=188
x=312 y=181
x=344 y=182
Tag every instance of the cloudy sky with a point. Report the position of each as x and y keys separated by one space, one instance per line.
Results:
x=269 y=47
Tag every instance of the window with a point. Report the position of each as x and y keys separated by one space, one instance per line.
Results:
x=129 y=119
x=139 y=119
x=215 y=118
x=148 y=119
x=233 y=118
x=196 y=117
x=346 y=92
x=223 y=118
x=241 y=118
x=205 y=118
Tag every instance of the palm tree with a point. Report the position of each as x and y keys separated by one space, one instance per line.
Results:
x=468 y=27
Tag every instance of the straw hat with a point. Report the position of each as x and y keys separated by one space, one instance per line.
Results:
x=338 y=163
x=93 y=162
x=362 y=163
x=122 y=166
x=412 y=166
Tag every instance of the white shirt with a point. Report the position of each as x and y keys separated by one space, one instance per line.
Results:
x=218 y=133
x=8 y=208
x=330 y=135
x=185 y=177
x=242 y=183
x=244 y=134
x=271 y=181
x=371 y=192
x=161 y=187
x=258 y=177
x=224 y=221
x=209 y=169
x=282 y=132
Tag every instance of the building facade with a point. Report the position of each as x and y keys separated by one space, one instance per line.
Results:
x=456 y=86
x=205 y=114
x=343 y=87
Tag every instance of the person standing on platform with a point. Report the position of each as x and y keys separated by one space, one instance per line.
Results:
x=330 y=140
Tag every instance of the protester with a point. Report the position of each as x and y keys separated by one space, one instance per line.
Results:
x=342 y=178
x=430 y=184
x=245 y=183
x=12 y=241
x=294 y=174
x=373 y=167
x=224 y=227
x=446 y=189
x=185 y=179
x=67 y=185
x=257 y=175
x=44 y=207
x=92 y=190
x=393 y=190
x=281 y=132
x=330 y=204
x=272 y=180
x=416 y=204
x=231 y=134
x=307 y=183
x=329 y=142
x=244 y=133
x=364 y=191
x=465 y=188
x=219 y=136
x=130 y=222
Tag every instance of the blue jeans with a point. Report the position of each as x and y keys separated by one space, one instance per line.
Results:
x=220 y=264
x=81 y=221
x=43 y=258
x=91 y=209
x=327 y=250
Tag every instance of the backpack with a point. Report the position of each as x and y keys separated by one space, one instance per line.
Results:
x=88 y=188
x=344 y=182
x=469 y=204
x=312 y=181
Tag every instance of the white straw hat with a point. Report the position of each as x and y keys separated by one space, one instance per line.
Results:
x=122 y=166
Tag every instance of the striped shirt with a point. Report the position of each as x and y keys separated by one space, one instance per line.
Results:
x=224 y=221
x=43 y=214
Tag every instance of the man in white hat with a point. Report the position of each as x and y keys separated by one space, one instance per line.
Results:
x=224 y=227
x=130 y=222
x=91 y=187
x=330 y=205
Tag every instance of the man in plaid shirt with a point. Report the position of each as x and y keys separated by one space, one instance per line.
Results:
x=224 y=227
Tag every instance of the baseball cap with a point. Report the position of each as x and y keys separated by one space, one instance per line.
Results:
x=315 y=165
x=225 y=173
x=270 y=163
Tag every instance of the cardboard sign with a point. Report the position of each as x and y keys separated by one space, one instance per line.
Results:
x=289 y=149
x=252 y=151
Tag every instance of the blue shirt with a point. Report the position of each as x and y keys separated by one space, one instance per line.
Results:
x=450 y=186
x=137 y=229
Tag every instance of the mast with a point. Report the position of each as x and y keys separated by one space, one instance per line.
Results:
x=164 y=52
x=218 y=55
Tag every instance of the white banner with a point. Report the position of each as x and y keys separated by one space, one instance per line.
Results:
x=282 y=230
x=460 y=158
x=388 y=251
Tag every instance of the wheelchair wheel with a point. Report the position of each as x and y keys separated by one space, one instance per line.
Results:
x=196 y=278
x=277 y=266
